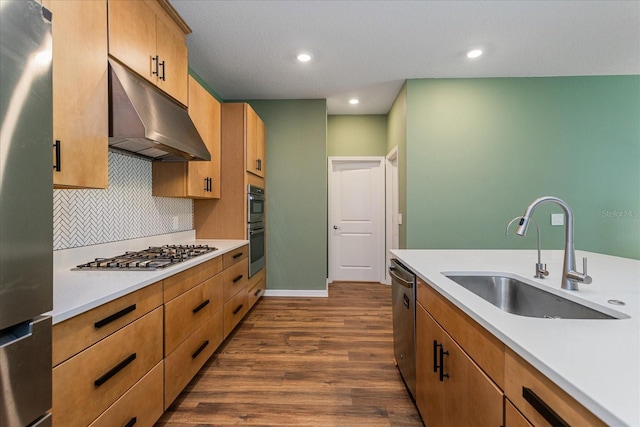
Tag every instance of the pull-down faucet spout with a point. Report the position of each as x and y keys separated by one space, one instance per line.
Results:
x=570 y=277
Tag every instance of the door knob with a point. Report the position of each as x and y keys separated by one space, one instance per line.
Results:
x=335 y=227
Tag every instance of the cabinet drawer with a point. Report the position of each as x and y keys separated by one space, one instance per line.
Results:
x=189 y=311
x=181 y=365
x=76 y=334
x=484 y=348
x=527 y=388
x=180 y=283
x=234 y=311
x=235 y=278
x=141 y=406
x=235 y=256
x=88 y=383
x=254 y=294
x=513 y=417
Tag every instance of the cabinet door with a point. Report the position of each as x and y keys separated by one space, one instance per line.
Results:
x=261 y=147
x=251 y=139
x=80 y=100
x=172 y=53
x=471 y=398
x=204 y=110
x=132 y=36
x=430 y=394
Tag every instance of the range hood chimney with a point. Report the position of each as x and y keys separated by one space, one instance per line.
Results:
x=144 y=121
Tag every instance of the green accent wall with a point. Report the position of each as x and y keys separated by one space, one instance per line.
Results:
x=478 y=151
x=397 y=137
x=350 y=135
x=296 y=193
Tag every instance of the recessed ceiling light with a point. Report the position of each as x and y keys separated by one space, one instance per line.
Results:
x=472 y=54
x=354 y=101
x=304 y=57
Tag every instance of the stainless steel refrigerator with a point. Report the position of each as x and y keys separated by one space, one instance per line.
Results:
x=26 y=218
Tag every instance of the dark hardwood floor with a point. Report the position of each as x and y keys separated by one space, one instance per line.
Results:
x=304 y=362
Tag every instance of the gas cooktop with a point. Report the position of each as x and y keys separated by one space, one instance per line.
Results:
x=153 y=258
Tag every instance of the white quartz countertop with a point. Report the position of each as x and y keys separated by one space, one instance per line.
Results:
x=595 y=361
x=75 y=292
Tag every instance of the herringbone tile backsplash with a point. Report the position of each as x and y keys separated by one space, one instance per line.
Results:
x=125 y=210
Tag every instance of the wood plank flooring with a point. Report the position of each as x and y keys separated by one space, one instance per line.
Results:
x=303 y=362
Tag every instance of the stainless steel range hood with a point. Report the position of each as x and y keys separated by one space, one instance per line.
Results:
x=144 y=121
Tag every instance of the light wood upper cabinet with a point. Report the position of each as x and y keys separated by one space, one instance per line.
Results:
x=80 y=93
x=150 y=42
x=195 y=179
x=255 y=141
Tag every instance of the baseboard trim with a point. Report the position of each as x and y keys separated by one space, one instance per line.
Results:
x=324 y=293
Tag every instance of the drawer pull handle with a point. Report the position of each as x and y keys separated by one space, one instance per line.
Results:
x=238 y=309
x=258 y=292
x=199 y=350
x=238 y=278
x=238 y=255
x=120 y=366
x=543 y=409
x=200 y=307
x=131 y=422
x=56 y=167
x=435 y=355
x=115 y=316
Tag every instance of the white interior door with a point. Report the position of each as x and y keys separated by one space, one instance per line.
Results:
x=356 y=219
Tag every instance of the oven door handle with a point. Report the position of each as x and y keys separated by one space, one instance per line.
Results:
x=256 y=231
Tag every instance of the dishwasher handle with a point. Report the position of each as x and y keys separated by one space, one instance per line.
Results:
x=403 y=282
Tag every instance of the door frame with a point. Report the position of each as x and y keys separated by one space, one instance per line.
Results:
x=331 y=160
x=392 y=208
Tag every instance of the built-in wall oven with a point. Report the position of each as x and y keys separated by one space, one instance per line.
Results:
x=256 y=228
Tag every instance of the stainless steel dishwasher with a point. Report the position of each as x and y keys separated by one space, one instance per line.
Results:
x=403 y=295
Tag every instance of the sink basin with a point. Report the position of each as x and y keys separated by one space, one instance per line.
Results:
x=517 y=297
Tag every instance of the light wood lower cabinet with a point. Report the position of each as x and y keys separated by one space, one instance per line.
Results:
x=140 y=406
x=189 y=311
x=513 y=417
x=459 y=365
x=452 y=390
x=88 y=383
x=125 y=362
x=256 y=291
x=234 y=311
x=541 y=401
x=188 y=358
x=235 y=278
x=76 y=334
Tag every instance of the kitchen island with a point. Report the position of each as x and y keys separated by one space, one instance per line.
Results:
x=597 y=362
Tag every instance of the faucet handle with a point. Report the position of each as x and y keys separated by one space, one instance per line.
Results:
x=587 y=278
x=541 y=271
x=583 y=277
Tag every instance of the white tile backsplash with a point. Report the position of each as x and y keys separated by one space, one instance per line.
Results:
x=125 y=210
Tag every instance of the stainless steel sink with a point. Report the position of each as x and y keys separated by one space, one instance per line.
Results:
x=517 y=297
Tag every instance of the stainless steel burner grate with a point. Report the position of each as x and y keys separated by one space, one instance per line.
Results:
x=153 y=258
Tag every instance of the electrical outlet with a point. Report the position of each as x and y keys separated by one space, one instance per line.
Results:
x=176 y=223
x=557 y=219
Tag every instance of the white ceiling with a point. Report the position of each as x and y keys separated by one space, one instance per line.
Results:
x=247 y=49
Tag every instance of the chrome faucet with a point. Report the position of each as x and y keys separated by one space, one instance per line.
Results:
x=541 y=269
x=570 y=277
